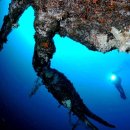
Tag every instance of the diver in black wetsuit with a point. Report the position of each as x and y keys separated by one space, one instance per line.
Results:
x=117 y=83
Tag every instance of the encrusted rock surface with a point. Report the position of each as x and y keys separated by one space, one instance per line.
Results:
x=100 y=25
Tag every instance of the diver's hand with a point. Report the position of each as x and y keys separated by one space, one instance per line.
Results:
x=2 y=40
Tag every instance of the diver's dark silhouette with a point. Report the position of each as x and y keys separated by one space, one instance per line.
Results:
x=118 y=85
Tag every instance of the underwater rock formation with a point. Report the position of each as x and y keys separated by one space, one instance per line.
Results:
x=100 y=25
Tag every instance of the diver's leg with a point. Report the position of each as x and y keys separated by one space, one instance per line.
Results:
x=121 y=91
x=89 y=124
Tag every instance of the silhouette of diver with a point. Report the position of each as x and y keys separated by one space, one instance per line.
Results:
x=117 y=82
x=65 y=18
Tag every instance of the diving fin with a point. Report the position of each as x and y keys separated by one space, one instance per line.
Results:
x=98 y=119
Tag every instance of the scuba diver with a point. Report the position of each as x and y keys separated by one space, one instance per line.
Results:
x=116 y=80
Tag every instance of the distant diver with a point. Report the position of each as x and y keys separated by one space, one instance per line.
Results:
x=89 y=25
x=116 y=80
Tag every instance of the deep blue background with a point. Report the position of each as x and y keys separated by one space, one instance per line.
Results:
x=89 y=72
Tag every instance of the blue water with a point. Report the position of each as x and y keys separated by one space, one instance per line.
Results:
x=89 y=72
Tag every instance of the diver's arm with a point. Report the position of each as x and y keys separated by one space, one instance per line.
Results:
x=16 y=8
